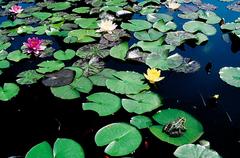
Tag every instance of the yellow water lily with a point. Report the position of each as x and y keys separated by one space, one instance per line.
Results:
x=153 y=75
x=106 y=26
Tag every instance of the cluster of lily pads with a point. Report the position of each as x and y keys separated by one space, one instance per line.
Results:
x=94 y=30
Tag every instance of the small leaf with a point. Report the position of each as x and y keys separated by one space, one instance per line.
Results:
x=119 y=51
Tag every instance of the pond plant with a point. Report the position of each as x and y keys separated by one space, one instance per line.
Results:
x=88 y=34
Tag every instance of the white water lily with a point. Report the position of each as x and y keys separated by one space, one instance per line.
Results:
x=172 y=4
x=106 y=26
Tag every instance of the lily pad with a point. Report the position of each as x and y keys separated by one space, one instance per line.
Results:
x=164 y=27
x=150 y=35
x=50 y=66
x=17 y=56
x=82 y=36
x=67 y=55
x=87 y=23
x=8 y=91
x=141 y=121
x=28 y=77
x=121 y=138
x=60 y=78
x=81 y=10
x=231 y=75
x=92 y=50
x=188 y=66
x=40 y=150
x=195 y=151
x=119 y=51
x=4 y=64
x=100 y=78
x=141 y=103
x=211 y=17
x=103 y=103
x=42 y=15
x=154 y=17
x=57 y=6
x=193 y=132
x=194 y=26
x=127 y=82
x=136 y=25
x=65 y=92
x=179 y=37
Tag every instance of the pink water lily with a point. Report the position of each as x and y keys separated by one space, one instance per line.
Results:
x=16 y=9
x=34 y=45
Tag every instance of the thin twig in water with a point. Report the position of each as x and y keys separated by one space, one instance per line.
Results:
x=204 y=103
x=229 y=118
x=59 y=124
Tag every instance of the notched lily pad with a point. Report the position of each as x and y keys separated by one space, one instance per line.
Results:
x=60 y=78
x=231 y=75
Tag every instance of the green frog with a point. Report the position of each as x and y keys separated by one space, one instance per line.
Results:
x=175 y=128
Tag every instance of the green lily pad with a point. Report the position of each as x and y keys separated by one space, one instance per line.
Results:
x=179 y=37
x=40 y=150
x=82 y=84
x=121 y=138
x=49 y=66
x=17 y=56
x=67 y=55
x=67 y=148
x=81 y=10
x=4 y=46
x=28 y=77
x=142 y=102
x=57 y=6
x=119 y=51
x=154 y=17
x=164 y=27
x=231 y=75
x=8 y=91
x=100 y=78
x=141 y=121
x=103 y=103
x=92 y=50
x=201 y=38
x=82 y=36
x=136 y=25
x=4 y=64
x=127 y=82
x=211 y=17
x=194 y=26
x=3 y=54
x=150 y=35
x=65 y=92
x=42 y=15
x=87 y=23
x=195 y=151
x=193 y=132
x=163 y=61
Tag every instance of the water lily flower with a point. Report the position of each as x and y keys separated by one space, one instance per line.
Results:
x=106 y=26
x=172 y=4
x=153 y=75
x=16 y=9
x=34 y=45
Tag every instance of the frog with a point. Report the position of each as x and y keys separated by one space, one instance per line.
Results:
x=175 y=128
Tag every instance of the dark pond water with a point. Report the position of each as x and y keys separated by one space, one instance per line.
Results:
x=36 y=115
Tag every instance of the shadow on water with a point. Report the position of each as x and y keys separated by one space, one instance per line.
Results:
x=36 y=115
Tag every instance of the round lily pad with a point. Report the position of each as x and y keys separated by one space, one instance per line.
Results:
x=136 y=25
x=28 y=77
x=193 y=132
x=142 y=102
x=121 y=139
x=231 y=75
x=103 y=103
x=141 y=121
x=67 y=55
x=194 y=26
x=8 y=91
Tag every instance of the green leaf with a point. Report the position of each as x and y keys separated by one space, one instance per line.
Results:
x=57 y=6
x=42 y=150
x=17 y=55
x=164 y=27
x=82 y=84
x=84 y=36
x=67 y=55
x=8 y=91
x=194 y=26
x=231 y=75
x=136 y=25
x=142 y=102
x=195 y=151
x=87 y=23
x=103 y=103
x=4 y=46
x=4 y=64
x=42 y=15
x=154 y=17
x=28 y=77
x=67 y=148
x=100 y=78
x=127 y=82
x=150 y=35
x=122 y=139
x=3 y=54
x=65 y=92
x=81 y=10
x=193 y=132
x=119 y=51
x=141 y=121
x=49 y=66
